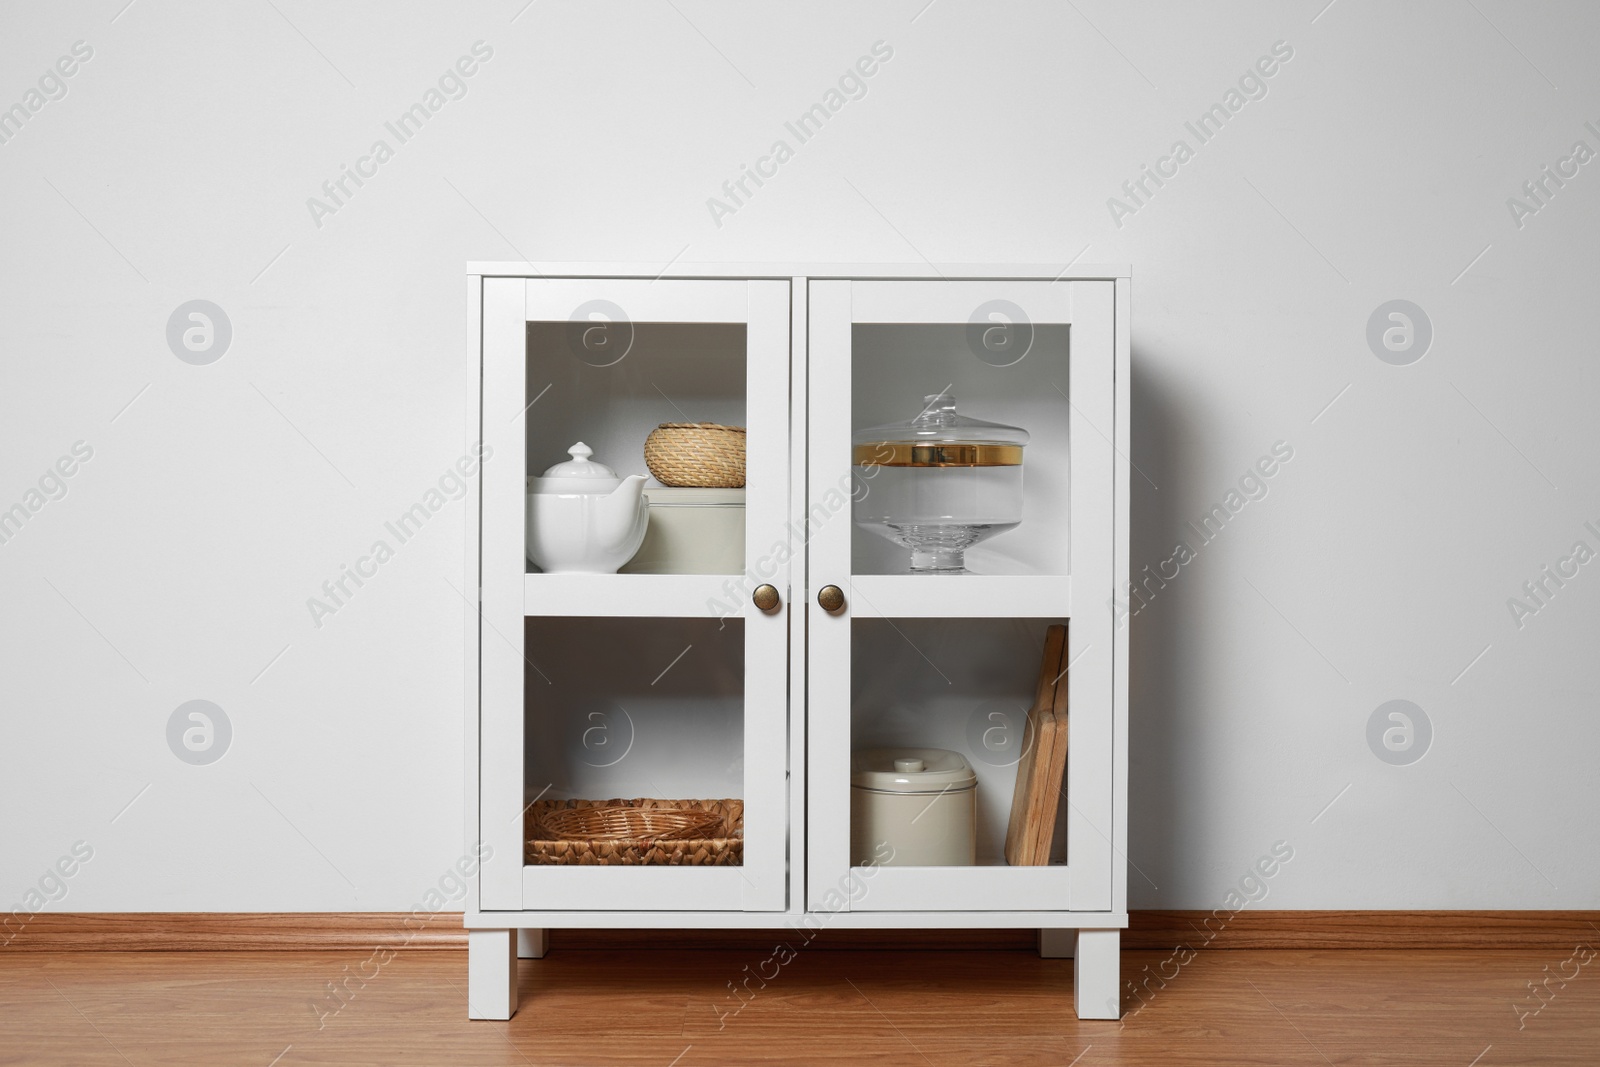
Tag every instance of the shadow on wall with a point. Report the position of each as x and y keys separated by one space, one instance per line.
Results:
x=1157 y=733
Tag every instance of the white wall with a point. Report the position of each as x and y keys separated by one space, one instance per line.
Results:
x=1377 y=167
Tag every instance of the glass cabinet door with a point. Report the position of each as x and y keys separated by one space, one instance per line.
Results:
x=627 y=677
x=960 y=521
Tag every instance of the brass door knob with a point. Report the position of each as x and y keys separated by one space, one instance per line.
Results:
x=766 y=598
x=830 y=598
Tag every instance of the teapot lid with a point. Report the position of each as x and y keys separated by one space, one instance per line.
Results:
x=580 y=466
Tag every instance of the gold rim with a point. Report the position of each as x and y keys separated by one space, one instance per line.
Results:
x=945 y=454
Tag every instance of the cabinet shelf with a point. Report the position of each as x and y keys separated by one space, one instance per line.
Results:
x=970 y=596
x=655 y=888
x=623 y=595
x=955 y=888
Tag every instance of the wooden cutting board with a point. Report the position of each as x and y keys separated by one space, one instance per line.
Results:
x=1053 y=740
x=1033 y=769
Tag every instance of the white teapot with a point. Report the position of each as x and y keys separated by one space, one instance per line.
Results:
x=582 y=518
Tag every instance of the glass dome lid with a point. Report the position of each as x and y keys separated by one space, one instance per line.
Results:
x=939 y=437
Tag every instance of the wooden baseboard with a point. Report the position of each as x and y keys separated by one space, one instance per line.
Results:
x=1160 y=930
x=314 y=931
x=1552 y=930
x=227 y=931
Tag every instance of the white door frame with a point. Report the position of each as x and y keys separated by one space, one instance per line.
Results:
x=505 y=884
x=1085 y=884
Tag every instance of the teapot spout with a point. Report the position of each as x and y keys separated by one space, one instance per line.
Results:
x=621 y=508
x=632 y=487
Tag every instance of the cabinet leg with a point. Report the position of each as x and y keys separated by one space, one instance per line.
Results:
x=1097 y=974
x=491 y=974
x=1057 y=944
x=532 y=944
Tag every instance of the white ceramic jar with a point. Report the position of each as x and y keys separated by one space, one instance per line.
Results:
x=692 y=531
x=920 y=802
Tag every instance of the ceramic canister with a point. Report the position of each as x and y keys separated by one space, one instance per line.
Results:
x=692 y=531
x=912 y=807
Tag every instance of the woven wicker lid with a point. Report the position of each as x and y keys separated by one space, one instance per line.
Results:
x=700 y=426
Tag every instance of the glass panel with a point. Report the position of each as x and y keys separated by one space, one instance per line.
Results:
x=920 y=508
x=608 y=385
x=624 y=709
x=945 y=694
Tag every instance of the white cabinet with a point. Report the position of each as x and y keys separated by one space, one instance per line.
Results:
x=587 y=687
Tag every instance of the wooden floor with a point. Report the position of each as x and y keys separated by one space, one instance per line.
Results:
x=673 y=1009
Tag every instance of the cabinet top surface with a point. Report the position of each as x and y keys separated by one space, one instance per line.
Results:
x=1021 y=271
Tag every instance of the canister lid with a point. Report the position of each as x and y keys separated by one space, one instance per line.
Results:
x=693 y=497
x=910 y=770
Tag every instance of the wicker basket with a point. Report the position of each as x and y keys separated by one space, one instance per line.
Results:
x=702 y=455
x=636 y=832
x=624 y=822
